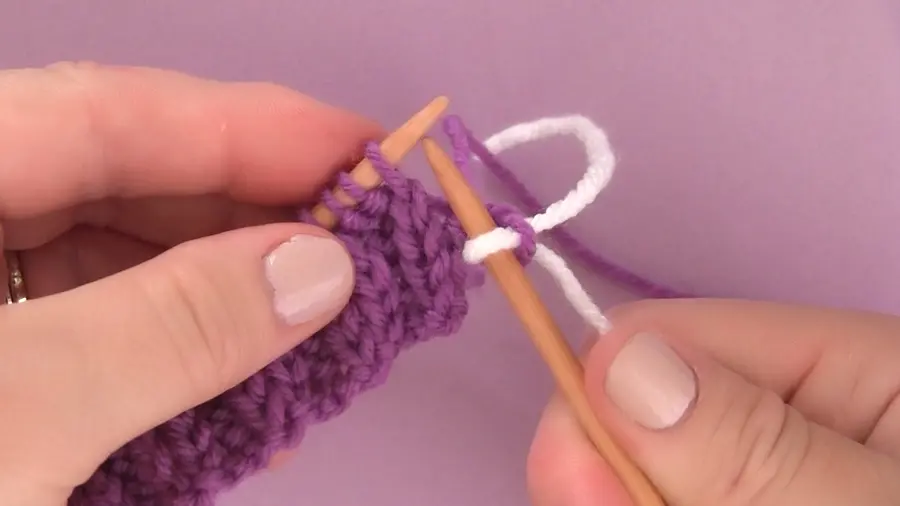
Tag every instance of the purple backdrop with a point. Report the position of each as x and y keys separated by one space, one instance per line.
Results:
x=759 y=148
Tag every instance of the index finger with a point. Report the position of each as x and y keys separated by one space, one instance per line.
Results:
x=837 y=367
x=72 y=133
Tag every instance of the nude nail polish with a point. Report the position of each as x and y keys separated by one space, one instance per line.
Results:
x=310 y=276
x=650 y=383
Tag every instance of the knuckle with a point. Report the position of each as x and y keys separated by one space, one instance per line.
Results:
x=79 y=84
x=765 y=443
x=77 y=80
x=198 y=319
x=74 y=68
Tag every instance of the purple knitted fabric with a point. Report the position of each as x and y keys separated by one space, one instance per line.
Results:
x=411 y=284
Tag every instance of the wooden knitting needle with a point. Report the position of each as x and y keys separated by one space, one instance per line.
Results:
x=544 y=332
x=393 y=148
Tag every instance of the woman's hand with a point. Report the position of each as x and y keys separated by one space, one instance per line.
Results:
x=154 y=217
x=727 y=403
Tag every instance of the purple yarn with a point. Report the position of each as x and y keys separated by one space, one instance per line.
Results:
x=411 y=284
x=460 y=136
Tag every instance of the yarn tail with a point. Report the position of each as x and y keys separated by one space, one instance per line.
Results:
x=568 y=242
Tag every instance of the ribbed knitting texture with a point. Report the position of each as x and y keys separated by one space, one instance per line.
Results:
x=411 y=284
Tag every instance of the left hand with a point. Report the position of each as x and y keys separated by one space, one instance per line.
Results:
x=146 y=206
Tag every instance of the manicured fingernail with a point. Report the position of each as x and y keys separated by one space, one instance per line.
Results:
x=310 y=276
x=650 y=383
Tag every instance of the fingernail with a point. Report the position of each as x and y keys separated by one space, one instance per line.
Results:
x=310 y=276
x=650 y=383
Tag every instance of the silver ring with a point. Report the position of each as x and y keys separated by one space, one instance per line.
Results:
x=15 y=288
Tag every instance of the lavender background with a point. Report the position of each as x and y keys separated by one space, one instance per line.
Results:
x=759 y=148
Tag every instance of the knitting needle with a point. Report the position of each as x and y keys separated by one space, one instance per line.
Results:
x=393 y=149
x=544 y=332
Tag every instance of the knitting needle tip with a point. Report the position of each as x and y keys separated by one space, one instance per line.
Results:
x=538 y=322
x=393 y=148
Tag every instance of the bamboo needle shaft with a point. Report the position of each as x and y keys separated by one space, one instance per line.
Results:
x=538 y=322
x=393 y=148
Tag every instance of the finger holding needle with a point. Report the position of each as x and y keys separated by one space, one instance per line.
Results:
x=393 y=148
x=544 y=332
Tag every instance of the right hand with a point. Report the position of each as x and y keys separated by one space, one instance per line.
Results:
x=727 y=403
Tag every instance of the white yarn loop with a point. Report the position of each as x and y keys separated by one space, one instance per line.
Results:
x=601 y=163
x=499 y=239
x=571 y=287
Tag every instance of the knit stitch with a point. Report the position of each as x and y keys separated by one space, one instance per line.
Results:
x=411 y=284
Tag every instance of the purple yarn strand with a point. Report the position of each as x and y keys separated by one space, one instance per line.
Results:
x=594 y=261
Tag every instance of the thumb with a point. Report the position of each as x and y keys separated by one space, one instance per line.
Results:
x=110 y=360
x=708 y=437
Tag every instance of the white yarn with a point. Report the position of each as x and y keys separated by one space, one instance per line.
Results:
x=601 y=163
